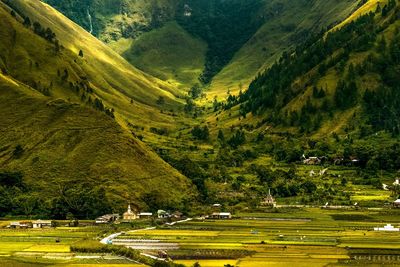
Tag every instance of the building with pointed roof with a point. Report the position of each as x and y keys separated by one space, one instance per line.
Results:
x=269 y=200
x=130 y=215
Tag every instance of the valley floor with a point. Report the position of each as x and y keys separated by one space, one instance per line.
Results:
x=282 y=237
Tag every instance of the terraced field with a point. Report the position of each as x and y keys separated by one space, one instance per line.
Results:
x=282 y=237
x=306 y=237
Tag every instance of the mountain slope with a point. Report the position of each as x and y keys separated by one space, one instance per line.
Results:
x=340 y=82
x=130 y=92
x=127 y=26
x=169 y=53
x=243 y=38
x=287 y=23
x=66 y=145
x=63 y=144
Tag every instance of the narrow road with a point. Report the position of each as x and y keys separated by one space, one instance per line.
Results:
x=108 y=239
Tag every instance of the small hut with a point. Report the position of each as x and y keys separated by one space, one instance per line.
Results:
x=396 y=203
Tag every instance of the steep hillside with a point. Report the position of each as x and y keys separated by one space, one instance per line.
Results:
x=121 y=24
x=63 y=148
x=131 y=93
x=287 y=23
x=344 y=81
x=111 y=20
x=243 y=38
x=73 y=155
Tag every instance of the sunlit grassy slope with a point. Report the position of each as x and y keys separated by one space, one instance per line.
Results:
x=115 y=81
x=369 y=6
x=169 y=53
x=287 y=23
x=64 y=140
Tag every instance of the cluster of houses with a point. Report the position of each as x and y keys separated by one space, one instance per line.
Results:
x=30 y=224
x=336 y=161
x=133 y=214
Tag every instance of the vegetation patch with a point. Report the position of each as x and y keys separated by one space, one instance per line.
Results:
x=351 y=217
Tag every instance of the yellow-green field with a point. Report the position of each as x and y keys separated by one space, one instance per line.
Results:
x=286 y=237
x=305 y=237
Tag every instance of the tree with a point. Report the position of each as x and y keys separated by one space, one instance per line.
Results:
x=190 y=106
x=11 y=179
x=160 y=101
x=80 y=53
x=195 y=91
x=27 y=22
x=201 y=133
x=309 y=186
x=221 y=136
x=57 y=49
x=18 y=151
x=237 y=139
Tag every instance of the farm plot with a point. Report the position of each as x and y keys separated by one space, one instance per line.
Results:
x=302 y=237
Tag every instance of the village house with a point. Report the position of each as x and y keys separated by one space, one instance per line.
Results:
x=145 y=215
x=162 y=214
x=269 y=200
x=388 y=228
x=312 y=161
x=221 y=215
x=130 y=215
x=41 y=224
x=396 y=203
x=20 y=225
x=14 y=225
x=187 y=11
x=108 y=218
x=177 y=215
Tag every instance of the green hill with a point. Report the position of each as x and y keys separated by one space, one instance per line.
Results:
x=71 y=151
x=287 y=23
x=130 y=92
x=350 y=74
x=168 y=53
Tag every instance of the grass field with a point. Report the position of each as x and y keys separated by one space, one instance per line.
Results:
x=300 y=236
x=305 y=237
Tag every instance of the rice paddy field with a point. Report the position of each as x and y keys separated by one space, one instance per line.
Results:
x=290 y=237
x=283 y=237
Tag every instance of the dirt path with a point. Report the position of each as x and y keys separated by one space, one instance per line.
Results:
x=108 y=239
